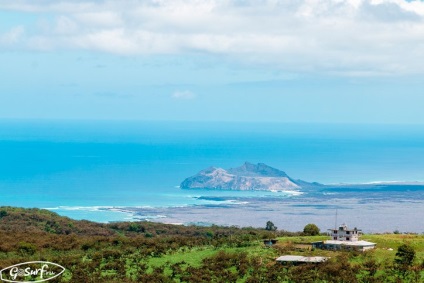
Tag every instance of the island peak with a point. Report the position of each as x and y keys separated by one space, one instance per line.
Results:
x=248 y=176
x=257 y=170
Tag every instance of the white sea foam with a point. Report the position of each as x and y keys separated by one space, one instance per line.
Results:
x=294 y=193
x=232 y=201
x=394 y=183
x=148 y=217
x=329 y=194
x=85 y=208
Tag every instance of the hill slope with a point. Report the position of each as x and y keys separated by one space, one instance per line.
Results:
x=246 y=177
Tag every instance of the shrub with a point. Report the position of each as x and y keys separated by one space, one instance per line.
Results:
x=270 y=226
x=26 y=248
x=405 y=255
x=3 y=213
x=311 y=230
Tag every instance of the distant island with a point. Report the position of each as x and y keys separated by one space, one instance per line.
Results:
x=246 y=177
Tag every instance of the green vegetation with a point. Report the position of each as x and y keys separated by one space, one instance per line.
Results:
x=405 y=255
x=270 y=226
x=154 y=252
x=3 y=213
x=311 y=230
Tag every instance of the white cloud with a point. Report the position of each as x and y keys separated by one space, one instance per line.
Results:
x=331 y=36
x=11 y=37
x=65 y=26
x=183 y=94
x=102 y=19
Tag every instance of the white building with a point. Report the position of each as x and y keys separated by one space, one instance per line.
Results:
x=344 y=239
x=344 y=234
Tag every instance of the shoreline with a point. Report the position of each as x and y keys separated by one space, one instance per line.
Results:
x=290 y=217
x=379 y=212
x=376 y=208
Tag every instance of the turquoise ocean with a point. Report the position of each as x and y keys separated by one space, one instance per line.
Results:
x=76 y=168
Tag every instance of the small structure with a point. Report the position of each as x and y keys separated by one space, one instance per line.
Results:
x=297 y=259
x=344 y=234
x=270 y=242
x=344 y=239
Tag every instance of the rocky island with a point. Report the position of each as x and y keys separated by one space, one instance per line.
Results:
x=246 y=177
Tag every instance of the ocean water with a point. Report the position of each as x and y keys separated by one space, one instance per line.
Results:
x=85 y=169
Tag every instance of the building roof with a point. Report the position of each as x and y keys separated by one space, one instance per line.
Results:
x=298 y=258
x=350 y=230
x=343 y=227
x=350 y=243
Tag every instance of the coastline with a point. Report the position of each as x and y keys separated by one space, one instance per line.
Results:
x=91 y=170
x=374 y=208
x=291 y=216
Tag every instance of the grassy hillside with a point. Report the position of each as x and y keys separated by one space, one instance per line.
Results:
x=153 y=252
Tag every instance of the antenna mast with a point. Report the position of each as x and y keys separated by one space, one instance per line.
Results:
x=335 y=223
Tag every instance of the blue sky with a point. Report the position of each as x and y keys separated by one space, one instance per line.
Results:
x=338 y=61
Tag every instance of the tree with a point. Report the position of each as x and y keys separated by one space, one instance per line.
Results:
x=3 y=213
x=270 y=226
x=311 y=230
x=405 y=255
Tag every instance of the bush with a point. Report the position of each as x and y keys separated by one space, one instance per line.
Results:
x=311 y=230
x=3 y=213
x=270 y=226
x=405 y=255
x=26 y=249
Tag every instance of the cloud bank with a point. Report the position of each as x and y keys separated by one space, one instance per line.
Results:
x=346 y=37
x=183 y=94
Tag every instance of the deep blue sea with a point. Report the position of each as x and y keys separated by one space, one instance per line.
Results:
x=77 y=167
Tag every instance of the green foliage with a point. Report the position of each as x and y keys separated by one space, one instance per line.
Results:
x=135 y=227
x=405 y=255
x=26 y=249
x=3 y=213
x=209 y=234
x=270 y=226
x=153 y=252
x=311 y=230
